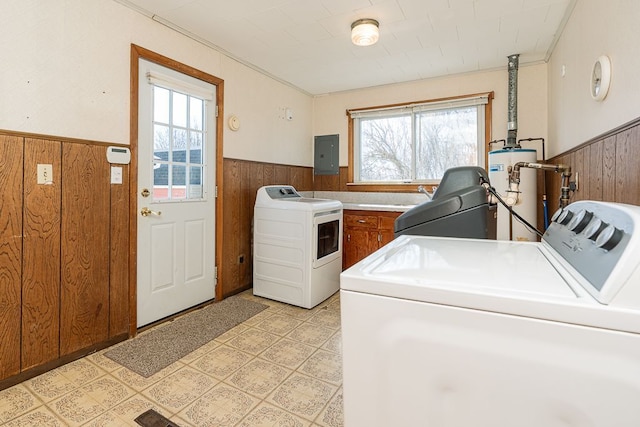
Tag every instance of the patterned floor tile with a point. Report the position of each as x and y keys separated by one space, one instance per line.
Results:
x=263 y=315
x=108 y=391
x=278 y=324
x=179 y=389
x=288 y=353
x=297 y=312
x=50 y=385
x=253 y=341
x=80 y=371
x=41 y=416
x=222 y=362
x=104 y=362
x=302 y=395
x=334 y=343
x=332 y=415
x=258 y=377
x=138 y=382
x=311 y=334
x=221 y=406
x=324 y=365
x=327 y=318
x=266 y=415
x=107 y=419
x=232 y=333
x=16 y=401
x=76 y=408
x=133 y=407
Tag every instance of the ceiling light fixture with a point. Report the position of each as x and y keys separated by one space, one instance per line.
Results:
x=364 y=32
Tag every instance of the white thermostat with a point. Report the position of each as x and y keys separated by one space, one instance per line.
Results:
x=118 y=155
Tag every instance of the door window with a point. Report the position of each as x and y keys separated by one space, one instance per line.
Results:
x=178 y=150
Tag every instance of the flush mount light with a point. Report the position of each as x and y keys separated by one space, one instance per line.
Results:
x=364 y=32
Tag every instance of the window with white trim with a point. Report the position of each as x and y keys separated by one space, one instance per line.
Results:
x=418 y=142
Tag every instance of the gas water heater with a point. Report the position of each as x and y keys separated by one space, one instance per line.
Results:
x=523 y=201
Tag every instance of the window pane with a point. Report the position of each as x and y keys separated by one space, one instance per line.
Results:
x=445 y=139
x=196 y=111
x=160 y=105
x=385 y=149
x=161 y=141
x=179 y=109
x=195 y=147
x=160 y=181
x=178 y=181
x=179 y=145
x=195 y=182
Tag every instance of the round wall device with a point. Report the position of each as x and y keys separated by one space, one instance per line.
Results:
x=234 y=123
x=600 y=78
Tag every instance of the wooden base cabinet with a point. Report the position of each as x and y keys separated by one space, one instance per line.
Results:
x=364 y=233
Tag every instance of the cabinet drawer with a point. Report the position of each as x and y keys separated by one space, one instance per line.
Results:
x=367 y=221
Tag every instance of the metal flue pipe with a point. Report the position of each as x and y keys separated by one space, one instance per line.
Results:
x=512 y=103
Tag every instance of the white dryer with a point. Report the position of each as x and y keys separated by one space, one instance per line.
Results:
x=297 y=246
x=449 y=332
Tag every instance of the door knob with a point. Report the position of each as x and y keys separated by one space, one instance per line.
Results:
x=146 y=212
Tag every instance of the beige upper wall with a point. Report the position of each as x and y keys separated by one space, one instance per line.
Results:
x=330 y=110
x=65 y=72
x=595 y=28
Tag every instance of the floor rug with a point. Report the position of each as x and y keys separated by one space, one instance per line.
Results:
x=156 y=349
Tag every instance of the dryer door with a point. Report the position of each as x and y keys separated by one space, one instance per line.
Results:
x=327 y=237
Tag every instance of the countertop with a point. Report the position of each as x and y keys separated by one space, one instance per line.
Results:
x=376 y=207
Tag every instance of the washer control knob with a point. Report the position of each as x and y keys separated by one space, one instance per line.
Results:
x=556 y=214
x=564 y=216
x=579 y=221
x=594 y=228
x=609 y=237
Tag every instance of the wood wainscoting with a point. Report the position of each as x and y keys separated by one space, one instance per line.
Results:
x=607 y=168
x=64 y=254
x=242 y=179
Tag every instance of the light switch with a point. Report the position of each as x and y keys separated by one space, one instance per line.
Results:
x=116 y=175
x=45 y=174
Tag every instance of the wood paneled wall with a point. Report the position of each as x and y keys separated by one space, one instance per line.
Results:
x=332 y=182
x=607 y=168
x=64 y=249
x=242 y=179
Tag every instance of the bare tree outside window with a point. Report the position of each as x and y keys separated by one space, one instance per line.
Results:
x=418 y=142
x=446 y=139
x=385 y=149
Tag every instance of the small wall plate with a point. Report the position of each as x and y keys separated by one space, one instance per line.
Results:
x=234 y=123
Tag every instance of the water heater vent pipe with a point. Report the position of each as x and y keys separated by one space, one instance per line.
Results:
x=512 y=103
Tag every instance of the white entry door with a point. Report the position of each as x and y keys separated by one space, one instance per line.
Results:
x=176 y=192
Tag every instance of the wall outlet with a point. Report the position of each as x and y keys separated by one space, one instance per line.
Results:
x=45 y=174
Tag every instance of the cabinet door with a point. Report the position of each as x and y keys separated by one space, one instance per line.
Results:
x=358 y=243
x=386 y=229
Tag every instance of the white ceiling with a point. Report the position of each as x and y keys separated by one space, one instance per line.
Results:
x=306 y=43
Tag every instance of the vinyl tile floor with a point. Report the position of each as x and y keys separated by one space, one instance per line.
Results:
x=282 y=367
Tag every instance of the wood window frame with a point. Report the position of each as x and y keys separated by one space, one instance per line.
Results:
x=410 y=187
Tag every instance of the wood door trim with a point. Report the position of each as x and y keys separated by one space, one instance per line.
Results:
x=137 y=53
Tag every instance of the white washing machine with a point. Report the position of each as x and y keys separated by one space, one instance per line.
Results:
x=297 y=246
x=449 y=332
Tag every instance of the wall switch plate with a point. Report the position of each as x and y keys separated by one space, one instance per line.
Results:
x=116 y=175
x=45 y=174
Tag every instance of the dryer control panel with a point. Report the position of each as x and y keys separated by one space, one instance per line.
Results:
x=282 y=192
